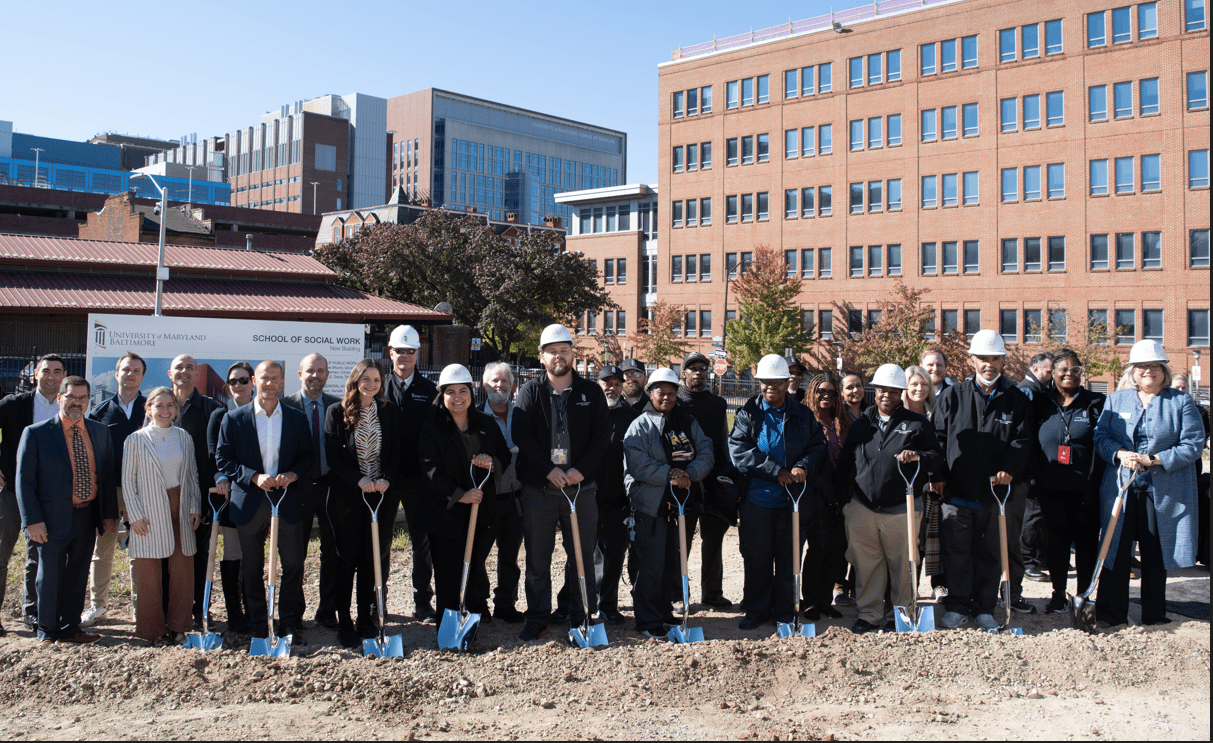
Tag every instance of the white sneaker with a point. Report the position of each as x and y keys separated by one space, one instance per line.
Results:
x=93 y=616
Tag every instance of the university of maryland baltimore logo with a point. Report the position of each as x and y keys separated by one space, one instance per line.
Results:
x=99 y=334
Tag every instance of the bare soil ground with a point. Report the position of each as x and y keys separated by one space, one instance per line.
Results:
x=1052 y=683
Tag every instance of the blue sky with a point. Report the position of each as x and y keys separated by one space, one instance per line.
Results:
x=168 y=69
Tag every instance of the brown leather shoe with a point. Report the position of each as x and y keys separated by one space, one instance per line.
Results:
x=47 y=641
x=82 y=638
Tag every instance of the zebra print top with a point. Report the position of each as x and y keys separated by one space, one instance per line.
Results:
x=368 y=440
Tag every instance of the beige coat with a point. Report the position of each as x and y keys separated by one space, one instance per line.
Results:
x=146 y=497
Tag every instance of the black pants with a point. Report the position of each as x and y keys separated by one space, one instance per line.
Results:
x=202 y=537
x=711 y=552
x=656 y=562
x=314 y=508
x=508 y=523
x=411 y=491
x=1017 y=508
x=1034 y=537
x=1069 y=523
x=448 y=571
x=969 y=541
x=543 y=512
x=353 y=550
x=292 y=548
x=63 y=577
x=608 y=557
x=1138 y=523
x=765 y=536
x=822 y=530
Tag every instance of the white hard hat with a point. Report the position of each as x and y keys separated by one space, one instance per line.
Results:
x=987 y=343
x=889 y=375
x=404 y=336
x=662 y=375
x=454 y=374
x=1147 y=352
x=555 y=333
x=773 y=366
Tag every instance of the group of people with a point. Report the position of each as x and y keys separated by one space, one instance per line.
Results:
x=617 y=461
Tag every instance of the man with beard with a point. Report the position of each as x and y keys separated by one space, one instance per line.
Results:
x=499 y=389
x=936 y=365
x=562 y=430
x=796 y=369
x=634 y=377
x=613 y=505
x=713 y=503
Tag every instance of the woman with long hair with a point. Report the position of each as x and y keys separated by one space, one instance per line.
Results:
x=919 y=396
x=363 y=452
x=851 y=390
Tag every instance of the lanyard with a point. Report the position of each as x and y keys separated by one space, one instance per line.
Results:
x=1065 y=420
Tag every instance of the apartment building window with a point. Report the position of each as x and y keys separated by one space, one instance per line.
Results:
x=692 y=213
x=1053 y=39
x=747 y=91
x=856 y=141
x=1006 y=45
x=1031 y=255
x=1147 y=21
x=1031 y=41
x=763 y=205
x=621 y=273
x=1008 y=120
x=856 y=198
x=730 y=94
x=1194 y=15
x=791 y=144
x=1010 y=184
x=928 y=191
x=1057 y=253
x=789 y=264
x=1124 y=175
x=1097 y=32
x=825 y=201
x=1099 y=252
x=730 y=265
x=929 y=265
x=690 y=324
x=1008 y=327
x=608 y=271
x=764 y=147
x=730 y=151
x=968 y=52
x=1126 y=327
x=1010 y=255
x=875 y=260
x=875 y=132
x=1126 y=251
x=875 y=69
x=1147 y=96
x=1122 y=100
x=747 y=207
x=1151 y=325
x=1099 y=177
x=705 y=99
x=950 y=257
x=808 y=202
x=947 y=55
x=1151 y=173
x=969 y=113
x=678 y=159
x=1032 y=325
x=825 y=139
x=676 y=268
x=692 y=101
x=1198 y=169
x=893 y=254
x=1031 y=111
x=808 y=141
x=950 y=189
x=951 y=321
x=791 y=209
x=1198 y=328
x=1097 y=322
x=690 y=266
x=730 y=210
x=894 y=127
x=764 y=88
x=1097 y=103
x=1198 y=90
x=855 y=66
x=894 y=188
x=972 y=323
x=926 y=59
x=1057 y=180
x=928 y=125
x=972 y=256
x=825 y=263
x=791 y=85
x=947 y=117
x=893 y=65
x=608 y=322
x=1055 y=108
x=856 y=261
x=825 y=77
x=972 y=192
x=1122 y=25
x=676 y=213
x=1151 y=250
x=705 y=155
x=1198 y=248
x=806 y=263
x=678 y=104
x=747 y=150
x=825 y=325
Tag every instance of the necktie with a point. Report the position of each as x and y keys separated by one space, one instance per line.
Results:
x=81 y=482
x=316 y=436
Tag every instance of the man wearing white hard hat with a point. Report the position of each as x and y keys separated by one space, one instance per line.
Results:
x=776 y=442
x=562 y=430
x=413 y=395
x=1156 y=431
x=982 y=426
x=885 y=438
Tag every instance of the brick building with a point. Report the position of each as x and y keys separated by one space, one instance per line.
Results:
x=1022 y=162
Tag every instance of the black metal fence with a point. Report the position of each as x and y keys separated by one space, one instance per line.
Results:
x=16 y=371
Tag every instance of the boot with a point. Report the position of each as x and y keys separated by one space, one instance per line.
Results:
x=233 y=596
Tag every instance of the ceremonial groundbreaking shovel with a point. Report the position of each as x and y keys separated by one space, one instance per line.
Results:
x=796 y=627
x=587 y=635
x=914 y=619
x=208 y=640
x=272 y=645
x=458 y=628
x=1004 y=585
x=682 y=633
x=382 y=645
x=1082 y=608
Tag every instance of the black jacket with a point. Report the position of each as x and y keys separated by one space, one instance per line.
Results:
x=195 y=418
x=1032 y=385
x=804 y=442
x=711 y=412
x=111 y=414
x=981 y=439
x=416 y=405
x=609 y=475
x=1048 y=431
x=16 y=415
x=342 y=454
x=589 y=429
x=447 y=467
x=877 y=484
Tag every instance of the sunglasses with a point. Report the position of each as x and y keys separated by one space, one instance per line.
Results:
x=239 y=380
x=826 y=393
x=697 y=368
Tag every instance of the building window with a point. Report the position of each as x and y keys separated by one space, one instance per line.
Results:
x=928 y=191
x=789 y=264
x=747 y=150
x=1124 y=175
x=1151 y=250
x=678 y=104
x=692 y=157
x=1055 y=109
x=764 y=147
x=1010 y=184
x=1147 y=96
x=854 y=322
x=972 y=256
x=1031 y=255
x=791 y=85
x=677 y=213
x=855 y=66
x=705 y=155
x=894 y=188
x=825 y=139
x=947 y=55
x=972 y=323
x=1097 y=33
x=927 y=59
x=608 y=271
x=690 y=266
x=808 y=140
x=1147 y=21
x=677 y=159
x=825 y=325
x=1057 y=253
x=791 y=144
x=705 y=99
x=875 y=260
x=893 y=63
x=1198 y=169
x=1122 y=27
x=747 y=91
x=676 y=268
x=969 y=112
x=1198 y=90
x=856 y=142
x=621 y=273
x=894 y=259
x=730 y=151
x=1198 y=328
x=764 y=88
x=1097 y=103
x=1198 y=248
x=951 y=321
x=1032 y=325
x=875 y=132
x=875 y=69
x=1031 y=111
x=928 y=125
x=730 y=209
x=968 y=52
x=1010 y=255
x=1006 y=45
x=705 y=267
x=825 y=201
x=730 y=94
x=972 y=193
x=1194 y=15
x=825 y=263
x=1151 y=173
x=948 y=122
x=1057 y=180
x=856 y=261
x=808 y=202
x=894 y=130
x=791 y=210
x=1031 y=41
x=1097 y=326
x=1053 y=42
x=1008 y=326
x=1151 y=325
x=856 y=198
x=1099 y=252
x=1057 y=325
x=950 y=189
x=1126 y=259
x=1126 y=327
x=692 y=212
x=950 y=257
x=1122 y=100
x=730 y=266
x=1099 y=177
x=747 y=207
x=1008 y=121
x=929 y=264
x=763 y=205
x=806 y=263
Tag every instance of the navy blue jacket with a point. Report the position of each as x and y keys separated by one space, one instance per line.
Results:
x=111 y=414
x=804 y=442
x=44 y=477
x=980 y=439
x=416 y=406
x=873 y=465
x=238 y=456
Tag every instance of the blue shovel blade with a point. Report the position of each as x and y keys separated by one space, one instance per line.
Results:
x=277 y=647
x=209 y=641
x=905 y=623
x=391 y=647
x=788 y=629
x=456 y=632
x=691 y=634
x=596 y=636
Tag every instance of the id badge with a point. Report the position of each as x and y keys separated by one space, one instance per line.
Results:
x=1063 y=454
x=560 y=456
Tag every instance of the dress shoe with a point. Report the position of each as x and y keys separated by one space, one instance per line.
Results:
x=533 y=631
x=612 y=617
x=718 y=603
x=831 y=612
x=366 y=629
x=1036 y=575
x=560 y=616
x=348 y=637
x=82 y=638
x=812 y=614
x=509 y=615
x=750 y=623
x=862 y=626
x=328 y=620
x=425 y=614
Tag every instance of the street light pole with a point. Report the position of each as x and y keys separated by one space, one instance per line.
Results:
x=314 y=184
x=37 y=158
x=189 y=199
x=161 y=269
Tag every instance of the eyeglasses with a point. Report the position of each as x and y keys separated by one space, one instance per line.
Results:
x=76 y=398
x=697 y=368
x=1150 y=367
x=1074 y=371
x=825 y=393
x=633 y=374
x=405 y=351
x=239 y=380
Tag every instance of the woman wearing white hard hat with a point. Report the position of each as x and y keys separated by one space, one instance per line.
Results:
x=663 y=449
x=885 y=439
x=775 y=442
x=362 y=446
x=1157 y=432
x=458 y=443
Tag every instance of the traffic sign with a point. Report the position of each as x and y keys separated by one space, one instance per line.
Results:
x=718 y=354
x=720 y=367
x=475 y=344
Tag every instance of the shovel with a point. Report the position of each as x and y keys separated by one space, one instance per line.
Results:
x=796 y=627
x=1004 y=585
x=208 y=640
x=381 y=646
x=587 y=635
x=914 y=619
x=683 y=634
x=1082 y=608
x=458 y=628
x=278 y=647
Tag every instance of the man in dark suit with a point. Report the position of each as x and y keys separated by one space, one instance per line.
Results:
x=66 y=493
x=17 y=413
x=195 y=416
x=123 y=414
x=265 y=447
x=314 y=401
x=413 y=395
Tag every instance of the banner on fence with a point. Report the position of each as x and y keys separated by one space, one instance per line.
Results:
x=216 y=344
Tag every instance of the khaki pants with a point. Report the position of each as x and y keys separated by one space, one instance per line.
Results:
x=878 y=550
x=102 y=568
